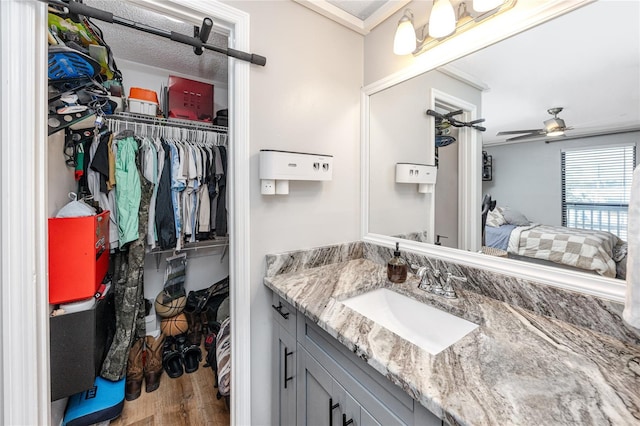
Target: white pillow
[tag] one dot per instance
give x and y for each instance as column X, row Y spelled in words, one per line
column 495, row 218
column 514, row 217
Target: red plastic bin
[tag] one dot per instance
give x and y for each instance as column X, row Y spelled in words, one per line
column 78, row 256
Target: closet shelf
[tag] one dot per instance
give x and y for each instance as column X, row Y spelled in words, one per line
column 198, row 245
column 171, row 122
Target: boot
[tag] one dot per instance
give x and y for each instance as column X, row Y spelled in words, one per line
column 194, row 333
column 153, row 364
column 135, row 367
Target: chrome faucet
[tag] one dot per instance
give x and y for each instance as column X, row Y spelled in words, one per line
column 449, row 292
column 435, row 285
column 432, row 286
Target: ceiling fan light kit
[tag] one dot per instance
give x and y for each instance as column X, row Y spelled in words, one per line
column 553, row 127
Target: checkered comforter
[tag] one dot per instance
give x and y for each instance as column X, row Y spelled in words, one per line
column 580, row 248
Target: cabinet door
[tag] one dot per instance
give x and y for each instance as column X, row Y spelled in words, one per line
column 285, row 354
column 350, row 409
column 317, row 404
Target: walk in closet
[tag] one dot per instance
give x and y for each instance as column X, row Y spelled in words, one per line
column 189, row 246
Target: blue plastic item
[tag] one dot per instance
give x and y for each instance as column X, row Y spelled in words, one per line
column 444, row 141
column 104, row 401
column 66, row 63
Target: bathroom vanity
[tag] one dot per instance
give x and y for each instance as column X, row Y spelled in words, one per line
column 334, row 365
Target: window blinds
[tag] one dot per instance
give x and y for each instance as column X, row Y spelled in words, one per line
column 596, row 184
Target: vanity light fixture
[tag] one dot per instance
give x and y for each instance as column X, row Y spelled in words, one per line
column 405, row 41
column 486, row 5
column 443, row 23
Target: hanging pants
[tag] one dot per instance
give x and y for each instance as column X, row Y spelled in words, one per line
column 129, row 296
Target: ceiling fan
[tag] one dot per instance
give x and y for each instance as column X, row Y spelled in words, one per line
column 552, row 127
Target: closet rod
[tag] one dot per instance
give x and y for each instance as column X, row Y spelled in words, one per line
column 171, row 122
column 102, row 15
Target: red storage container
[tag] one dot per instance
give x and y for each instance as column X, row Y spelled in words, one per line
column 78, row 256
column 190, row 99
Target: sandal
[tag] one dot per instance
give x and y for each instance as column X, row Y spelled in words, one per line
column 171, row 358
column 192, row 355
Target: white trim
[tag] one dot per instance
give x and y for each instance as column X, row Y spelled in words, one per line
column 464, row 77
column 240, row 294
column 509, row 23
column 468, row 168
column 24, row 362
column 364, row 162
column 24, row 302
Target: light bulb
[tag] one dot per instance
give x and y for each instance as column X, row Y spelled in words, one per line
column 404, row 41
column 442, row 20
column 486, row 5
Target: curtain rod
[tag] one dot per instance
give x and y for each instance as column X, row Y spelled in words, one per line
column 102, row 15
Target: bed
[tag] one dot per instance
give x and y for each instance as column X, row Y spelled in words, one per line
column 599, row 252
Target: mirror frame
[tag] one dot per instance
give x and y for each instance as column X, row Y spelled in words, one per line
column 502, row 27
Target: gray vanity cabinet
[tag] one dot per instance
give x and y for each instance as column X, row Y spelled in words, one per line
column 334, row 387
column 284, row 372
column 317, row 402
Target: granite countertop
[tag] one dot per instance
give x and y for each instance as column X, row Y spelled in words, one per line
column 515, row 368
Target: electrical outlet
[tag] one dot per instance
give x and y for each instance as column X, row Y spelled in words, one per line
column 267, row 186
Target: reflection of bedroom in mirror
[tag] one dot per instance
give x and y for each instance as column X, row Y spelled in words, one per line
column 562, row 183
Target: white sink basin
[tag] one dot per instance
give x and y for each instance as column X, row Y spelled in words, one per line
column 425, row 326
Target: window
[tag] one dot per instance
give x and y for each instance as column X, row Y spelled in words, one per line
column 596, row 185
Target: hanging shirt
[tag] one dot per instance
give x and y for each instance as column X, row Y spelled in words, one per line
column 164, row 212
column 150, row 172
column 178, row 184
column 97, row 178
column 128, row 191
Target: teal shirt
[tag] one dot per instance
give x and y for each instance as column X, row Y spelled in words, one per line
column 128, row 190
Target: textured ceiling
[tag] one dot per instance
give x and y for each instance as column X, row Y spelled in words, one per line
column 157, row 51
column 358, row 8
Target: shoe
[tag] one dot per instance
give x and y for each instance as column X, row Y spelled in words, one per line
column 135, row 367
column 153, row 362
column 211, row 327
column 194, row 333
column 171, row 358
column 191, row 355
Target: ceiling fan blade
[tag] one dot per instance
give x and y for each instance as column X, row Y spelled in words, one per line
column 525, row 137
column 517, row 132
column 479, row 120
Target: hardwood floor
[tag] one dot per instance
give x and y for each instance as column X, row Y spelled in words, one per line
column 188, row 400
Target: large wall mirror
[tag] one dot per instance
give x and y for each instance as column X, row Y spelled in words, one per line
column 586, row 62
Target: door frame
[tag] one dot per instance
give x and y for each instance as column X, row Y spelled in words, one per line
column 24, row 307
column 469, row 155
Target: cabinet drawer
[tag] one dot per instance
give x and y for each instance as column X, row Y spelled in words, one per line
column 284, row 314
column 378, row 396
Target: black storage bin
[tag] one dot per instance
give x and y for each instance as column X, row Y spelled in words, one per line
column 78, row 344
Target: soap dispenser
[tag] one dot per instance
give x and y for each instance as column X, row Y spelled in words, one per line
column 397, row 267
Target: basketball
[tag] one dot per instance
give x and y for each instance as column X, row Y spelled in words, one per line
column 174, row 325
column 167, row 307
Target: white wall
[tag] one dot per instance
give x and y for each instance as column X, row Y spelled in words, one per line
column 527, row 176
column 61, row 179
column 306, row 98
